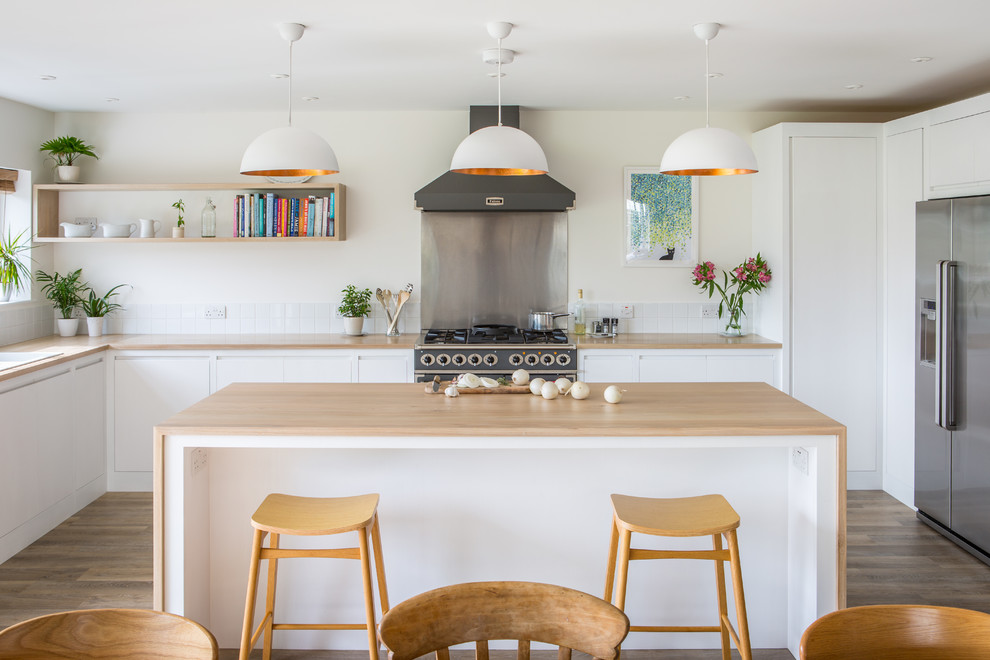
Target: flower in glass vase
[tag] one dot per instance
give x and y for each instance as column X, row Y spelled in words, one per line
column 752, row 275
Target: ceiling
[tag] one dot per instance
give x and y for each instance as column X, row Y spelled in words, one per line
column 218, row 55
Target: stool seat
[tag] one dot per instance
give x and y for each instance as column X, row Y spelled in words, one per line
column 314, row 516
column 703, row 515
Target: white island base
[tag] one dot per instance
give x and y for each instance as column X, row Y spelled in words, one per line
column 460, row 508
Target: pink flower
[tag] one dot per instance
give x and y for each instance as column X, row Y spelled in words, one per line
column 764, row 277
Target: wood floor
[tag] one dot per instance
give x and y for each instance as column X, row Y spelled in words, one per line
column 101, row 557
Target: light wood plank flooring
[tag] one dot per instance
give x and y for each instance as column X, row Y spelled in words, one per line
column 101, row 557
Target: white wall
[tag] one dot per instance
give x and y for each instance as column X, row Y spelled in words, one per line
column 385, row 157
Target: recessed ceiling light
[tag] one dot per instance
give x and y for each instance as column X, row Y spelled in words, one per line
column 853, row 86
column 715, row 74
column 112, row 99
column 279, row 76
column 47, row 77
column 311, row 98
column 681, row 98
column 921, row 60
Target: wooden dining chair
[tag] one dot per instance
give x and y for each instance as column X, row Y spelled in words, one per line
column 108, row 634
column 898, row 632
column 523, row 611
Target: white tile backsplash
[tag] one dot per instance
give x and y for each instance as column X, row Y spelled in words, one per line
column 661, row 317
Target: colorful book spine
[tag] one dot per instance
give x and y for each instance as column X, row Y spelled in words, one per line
column 303, row 216
column 331, row 212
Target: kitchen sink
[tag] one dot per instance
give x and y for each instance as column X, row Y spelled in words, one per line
column 12, row 359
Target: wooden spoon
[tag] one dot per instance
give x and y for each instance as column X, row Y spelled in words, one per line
column 403, row 297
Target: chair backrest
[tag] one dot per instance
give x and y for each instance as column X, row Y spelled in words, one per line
column 898, row 632
column 108, row 634
column 523, row 611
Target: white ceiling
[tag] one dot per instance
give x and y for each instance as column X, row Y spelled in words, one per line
column 218, row 55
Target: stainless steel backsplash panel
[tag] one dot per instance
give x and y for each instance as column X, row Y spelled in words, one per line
column 492, row 267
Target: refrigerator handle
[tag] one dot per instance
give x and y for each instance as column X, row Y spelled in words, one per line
column 945, row 345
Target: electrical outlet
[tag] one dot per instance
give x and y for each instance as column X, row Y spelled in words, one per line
column 625, row 311
column 709, row 312
column 198, row 459
column 215, row 312
column 86, row 221
column 799, row 456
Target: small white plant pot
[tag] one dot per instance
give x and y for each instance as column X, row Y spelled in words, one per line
column 94, row 324
column 68, row 173
column 67, row 327
column 354, row 325
column 178, row 232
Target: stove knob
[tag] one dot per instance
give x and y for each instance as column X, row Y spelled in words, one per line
column 426, row 359
column 547, row 359
column 515, row 359
column 491, row 359
column 443, row 359
column 563, row 359
column 532, row 359
column 459, row 359
column 474, row 359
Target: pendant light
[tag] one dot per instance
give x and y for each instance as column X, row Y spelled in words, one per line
column 499, row 150
column 708, row 151
column 289, row 151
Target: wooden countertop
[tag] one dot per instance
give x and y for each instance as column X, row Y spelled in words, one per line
column 364, row 409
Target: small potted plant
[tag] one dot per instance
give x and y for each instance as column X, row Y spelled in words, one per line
column 179, row 230
column 97, row 307
column 355, row 305
column 64, row 151
column 64, row 292
column 14, row 274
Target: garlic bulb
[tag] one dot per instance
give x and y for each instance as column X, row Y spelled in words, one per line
column 451, row 391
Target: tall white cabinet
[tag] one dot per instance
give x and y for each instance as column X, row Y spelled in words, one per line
column 817, row 204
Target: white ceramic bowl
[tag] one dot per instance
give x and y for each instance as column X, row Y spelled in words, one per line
column 118, row 231
column 77, row 231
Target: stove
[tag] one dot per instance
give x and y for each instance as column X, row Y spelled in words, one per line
column 494, row 351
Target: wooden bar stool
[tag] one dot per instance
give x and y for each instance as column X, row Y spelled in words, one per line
column 706, row 515
column 313, row 516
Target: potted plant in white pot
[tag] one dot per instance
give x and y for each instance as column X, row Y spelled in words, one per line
column 355, row 305
column 14, row 274
column 64, row 292
column 179, row 230
column 64, row 151
column 97, row 307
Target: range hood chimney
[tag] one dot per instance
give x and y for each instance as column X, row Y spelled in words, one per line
column 475, row 192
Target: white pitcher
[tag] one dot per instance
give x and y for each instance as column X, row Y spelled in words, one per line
column 149, row 227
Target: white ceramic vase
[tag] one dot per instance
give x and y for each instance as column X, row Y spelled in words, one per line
column 68, row 173
column 67, row 327
column 354, row 325
column 94, row 324
column 178, row 232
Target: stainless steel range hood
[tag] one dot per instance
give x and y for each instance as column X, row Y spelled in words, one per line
column 472, row 192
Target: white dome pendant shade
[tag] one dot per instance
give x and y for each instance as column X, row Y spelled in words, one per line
column 289, row 151
column 708, row 151
column 499, row 150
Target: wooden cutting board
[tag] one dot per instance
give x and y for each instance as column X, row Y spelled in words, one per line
column 501, row 389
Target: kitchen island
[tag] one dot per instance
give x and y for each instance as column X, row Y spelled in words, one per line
column 503, row 487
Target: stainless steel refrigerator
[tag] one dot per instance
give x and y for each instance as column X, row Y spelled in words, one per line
column 952, row 384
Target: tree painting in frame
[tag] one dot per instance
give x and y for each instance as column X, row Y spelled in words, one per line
column 661, row 216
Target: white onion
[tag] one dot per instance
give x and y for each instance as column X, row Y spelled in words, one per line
column 549, row 390
column 535, row 385
column 468, row 380
column 613, row 394
column 520, row 377
column 579, row 390
column 562, row 384
column 488, row 382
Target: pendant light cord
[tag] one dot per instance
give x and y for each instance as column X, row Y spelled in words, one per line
column 290, row 82
column 708, row 79
column 499, row 76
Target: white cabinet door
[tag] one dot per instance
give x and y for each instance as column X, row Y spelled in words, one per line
column 384, row 367
column 318, row 369
column 54, row 472
column 89, row 413
column 673, row 368
column 148, row 390
column 248, row 369
column 741, row 369
column 952, row 153
column 19, row 458
column 608, row 367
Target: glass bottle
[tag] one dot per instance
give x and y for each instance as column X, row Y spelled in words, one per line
column 209, row 219
column 580, row 326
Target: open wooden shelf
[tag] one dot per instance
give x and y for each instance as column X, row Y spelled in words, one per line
column 47, row 197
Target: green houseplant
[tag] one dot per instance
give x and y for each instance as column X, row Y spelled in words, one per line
column 96, row 307
column 179, row 230
column 64, row 293
column 355, row 305
column 14, row 274
column 64, row 151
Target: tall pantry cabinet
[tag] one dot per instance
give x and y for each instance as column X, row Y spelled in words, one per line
column 817, row 203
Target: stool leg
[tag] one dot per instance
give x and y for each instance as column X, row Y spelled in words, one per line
column 376, row 544
column 625, row 537
column 723, row 607
column 252, row 594
column 369, row 594
column 737, row 589
column 273, row 543
column 613, row 546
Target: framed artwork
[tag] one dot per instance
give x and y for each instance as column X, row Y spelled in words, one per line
column 661, row 216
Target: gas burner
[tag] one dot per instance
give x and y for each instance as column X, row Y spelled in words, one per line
column 544, row 336
column 493, row 333
column 445, row 336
